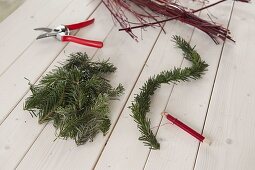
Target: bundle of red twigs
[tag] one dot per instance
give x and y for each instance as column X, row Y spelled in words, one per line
column 147, row 10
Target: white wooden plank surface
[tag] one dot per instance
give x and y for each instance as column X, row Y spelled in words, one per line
column 56, row 155
column 27, row 9
column 34, row 61
column 231, row 119
column 230, row 122
column 188, row 102
column 8, row 6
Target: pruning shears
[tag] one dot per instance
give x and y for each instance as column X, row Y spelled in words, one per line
column 62, row 33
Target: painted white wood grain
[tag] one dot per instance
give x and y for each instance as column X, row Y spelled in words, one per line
column 17, row 134
column 129, row 57
column 231, row 120
column 188, row 102
column 27, row 9
column 19, row 130
column 7, row 7
column 33, row 62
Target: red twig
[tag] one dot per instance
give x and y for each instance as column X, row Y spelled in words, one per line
column 247, row 1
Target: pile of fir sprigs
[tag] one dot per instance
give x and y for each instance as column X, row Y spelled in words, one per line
column 141, row 104
column 75, row 97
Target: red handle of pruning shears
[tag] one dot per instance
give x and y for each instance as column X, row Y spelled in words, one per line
column 90, row 43
column 80, row 24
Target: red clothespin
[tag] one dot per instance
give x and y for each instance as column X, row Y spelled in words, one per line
column 186, row 128
column 62, row 33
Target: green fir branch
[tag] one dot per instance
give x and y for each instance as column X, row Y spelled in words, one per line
column 75, row 97
column 141, row 104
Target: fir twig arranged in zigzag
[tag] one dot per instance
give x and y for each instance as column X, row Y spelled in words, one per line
column 75, row 97
column 141, row 104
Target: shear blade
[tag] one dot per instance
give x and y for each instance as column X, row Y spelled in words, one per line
column 46, row 35
column 43, row 29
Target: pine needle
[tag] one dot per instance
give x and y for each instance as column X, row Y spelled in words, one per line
column 75, row 97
